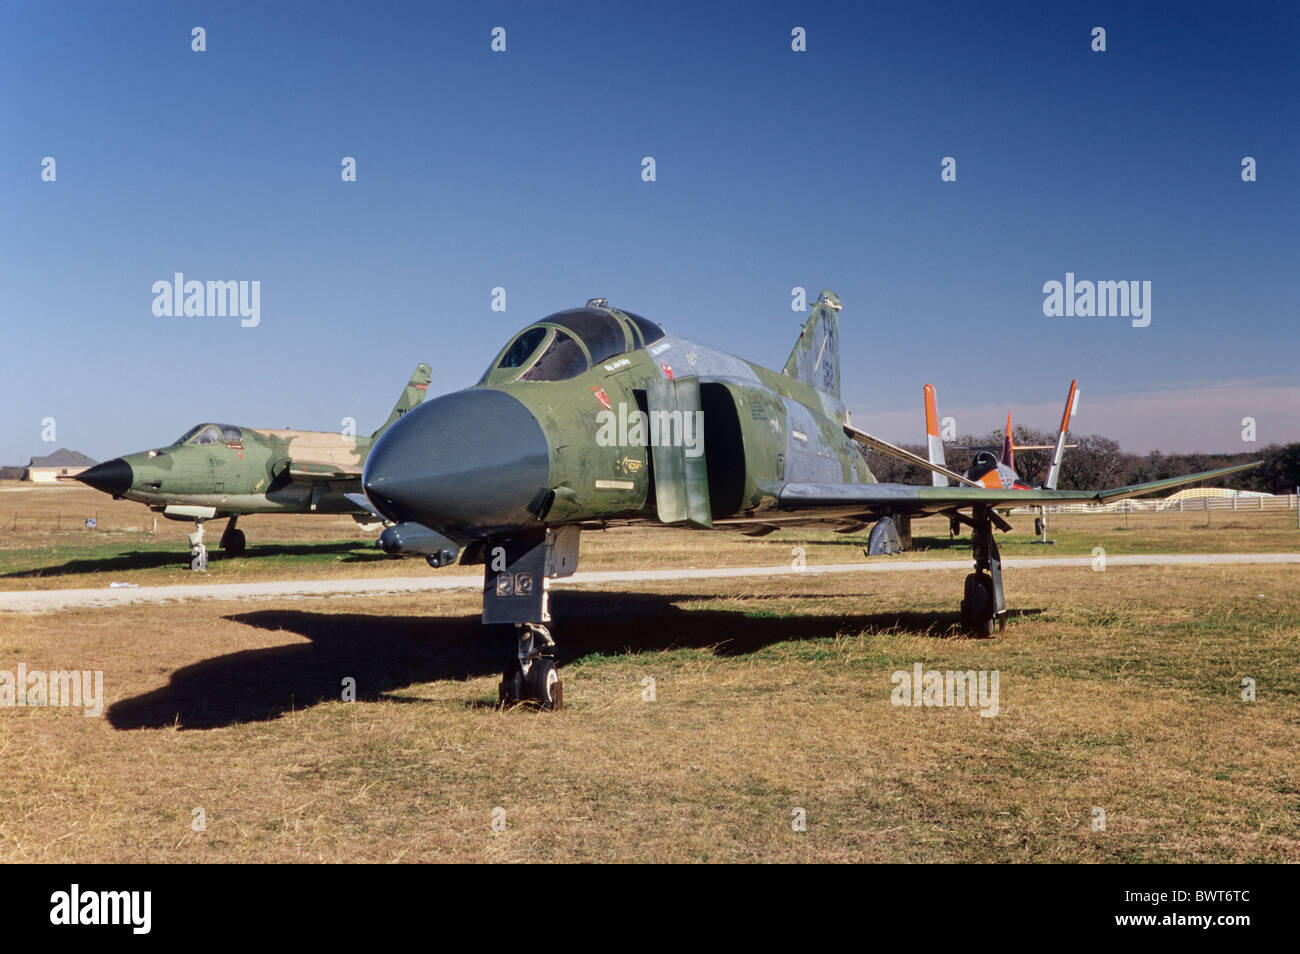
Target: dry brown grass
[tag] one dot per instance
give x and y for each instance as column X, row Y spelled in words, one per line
column 1119, row 690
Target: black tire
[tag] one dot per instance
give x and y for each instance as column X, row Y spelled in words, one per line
column 234, row 543
column 542, row 679
column 977, row 614
column 511, row 690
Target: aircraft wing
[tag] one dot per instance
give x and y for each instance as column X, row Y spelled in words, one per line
column 880, row 499
column 363, row 503
column 308, row 472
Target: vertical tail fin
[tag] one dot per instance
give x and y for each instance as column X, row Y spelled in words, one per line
column 411, row 396
column 932, row 437
column 1009, row 445
column 816, row 355
column 1058, row 451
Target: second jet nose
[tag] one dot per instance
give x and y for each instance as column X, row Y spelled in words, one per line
column 112, row 477
column 469, row 463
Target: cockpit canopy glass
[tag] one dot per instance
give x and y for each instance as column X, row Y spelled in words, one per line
column 567, row 343
column 522, row 348
column 600, row 331
column 562, row 359
column 201, row 434
column 649, row 331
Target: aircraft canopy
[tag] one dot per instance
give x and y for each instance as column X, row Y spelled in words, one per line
column 212, row 434
column 567, row 343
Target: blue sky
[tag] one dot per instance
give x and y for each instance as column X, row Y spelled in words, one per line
column 774, row 169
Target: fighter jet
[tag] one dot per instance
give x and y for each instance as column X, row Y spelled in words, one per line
column 987, row 470
column 214, row 471
column 595, row 416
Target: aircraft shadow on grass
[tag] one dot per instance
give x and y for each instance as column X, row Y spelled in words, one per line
column 157, row 559
column 389, row 653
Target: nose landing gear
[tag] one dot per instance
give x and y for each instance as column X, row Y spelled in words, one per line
column 532, row 677
column 517, row 572
column 198, row 550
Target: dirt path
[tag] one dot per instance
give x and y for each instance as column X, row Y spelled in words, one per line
column 45, row 601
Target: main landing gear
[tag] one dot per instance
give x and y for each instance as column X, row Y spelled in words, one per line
column 1040, row 527
column 532, row 678
column 983, row 606
column 233, row 541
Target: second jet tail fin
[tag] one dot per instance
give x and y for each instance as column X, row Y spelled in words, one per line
column 933, row 440
column 1009, row 445
column 411, row 396
column 1058, row 450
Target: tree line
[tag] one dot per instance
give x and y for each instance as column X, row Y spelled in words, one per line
column 1098, row 462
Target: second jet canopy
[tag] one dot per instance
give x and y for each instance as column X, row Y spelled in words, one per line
column 211, row 434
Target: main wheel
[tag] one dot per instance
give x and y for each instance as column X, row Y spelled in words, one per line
column 233, row 543
column 977, row 615
column 541, row 682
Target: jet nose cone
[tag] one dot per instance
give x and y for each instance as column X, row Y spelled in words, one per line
column 112, row 477
column 467, row 463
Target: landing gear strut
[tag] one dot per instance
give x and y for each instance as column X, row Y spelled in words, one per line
column 983, row 607
column 516, row 583
column 233, row 541
column 532, row 676
column 198, row 552
column 1040, row 527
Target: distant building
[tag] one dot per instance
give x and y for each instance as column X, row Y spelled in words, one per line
column 62, row 464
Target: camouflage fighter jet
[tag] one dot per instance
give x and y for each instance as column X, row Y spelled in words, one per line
column 214, row 471
column 594, row 416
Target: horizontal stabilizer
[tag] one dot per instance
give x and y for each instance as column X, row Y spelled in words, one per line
column 893, row 450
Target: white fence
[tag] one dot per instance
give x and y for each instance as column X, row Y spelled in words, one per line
column 1263, row 503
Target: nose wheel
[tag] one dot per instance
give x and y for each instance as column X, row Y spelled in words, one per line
column 198, row 550
column 532, row 677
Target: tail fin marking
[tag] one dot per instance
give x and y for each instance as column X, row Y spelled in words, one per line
column 932, row 437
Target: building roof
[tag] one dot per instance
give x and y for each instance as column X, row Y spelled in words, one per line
column 62, row 458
